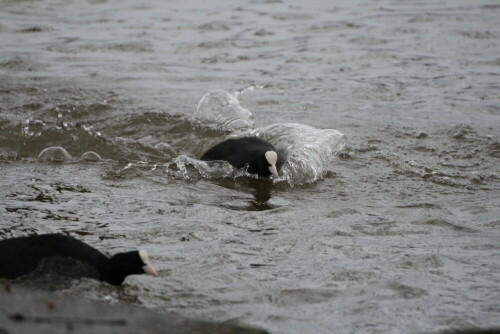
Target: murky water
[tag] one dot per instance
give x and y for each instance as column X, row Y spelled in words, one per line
column 396, row 232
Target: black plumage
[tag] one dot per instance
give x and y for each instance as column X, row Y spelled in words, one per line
column 21, row 256
column 240, row 152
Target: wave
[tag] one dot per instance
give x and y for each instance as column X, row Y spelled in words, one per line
column 175, row 141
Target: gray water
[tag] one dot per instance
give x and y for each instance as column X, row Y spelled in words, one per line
column 385, row 219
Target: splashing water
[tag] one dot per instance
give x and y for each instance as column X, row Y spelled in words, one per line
column 223, row 111
column 308, row 151
column 207, row 169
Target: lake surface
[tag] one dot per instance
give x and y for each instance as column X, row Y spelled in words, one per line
column 386, row 216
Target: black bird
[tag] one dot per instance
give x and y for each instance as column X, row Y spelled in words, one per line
column 258, row 154
column 21, row 256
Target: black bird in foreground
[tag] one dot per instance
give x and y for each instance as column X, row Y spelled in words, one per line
column 258, row 154
column 21, row 256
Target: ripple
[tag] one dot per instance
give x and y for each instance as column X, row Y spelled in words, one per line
column 54, row 154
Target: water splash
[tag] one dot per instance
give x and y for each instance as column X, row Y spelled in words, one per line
column 308, row 151
column 222, row 110
column 32, row 127
column 54, row 154
column 207, row 169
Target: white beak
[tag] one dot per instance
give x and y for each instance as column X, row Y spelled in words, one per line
column 273, row 170
column 148, row 269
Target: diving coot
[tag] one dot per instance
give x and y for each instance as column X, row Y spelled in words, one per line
column 260, row 155
column 21, row 256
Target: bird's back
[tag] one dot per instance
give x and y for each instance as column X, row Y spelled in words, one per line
column 238, row 152
column 20, row 256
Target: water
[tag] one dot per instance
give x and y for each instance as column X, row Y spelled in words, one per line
column 397, row 231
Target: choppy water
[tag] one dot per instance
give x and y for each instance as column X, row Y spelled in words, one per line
column 397, row 232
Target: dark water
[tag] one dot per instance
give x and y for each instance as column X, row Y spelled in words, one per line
column 397, row 232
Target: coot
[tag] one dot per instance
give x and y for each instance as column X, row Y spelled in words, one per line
column 21, row 256
column 258, row 154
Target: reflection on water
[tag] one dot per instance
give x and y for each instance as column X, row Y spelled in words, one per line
column 390, row 228
column 260, row 188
